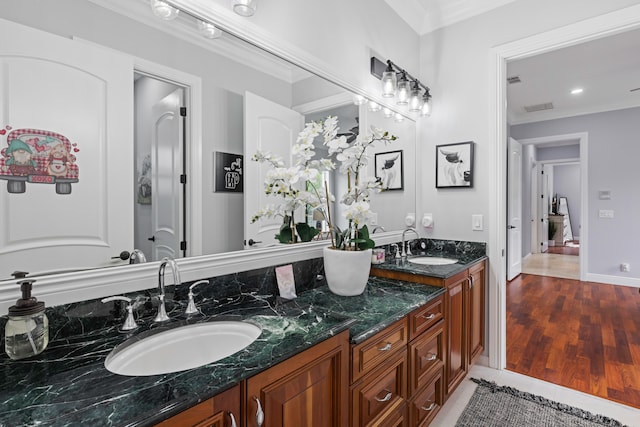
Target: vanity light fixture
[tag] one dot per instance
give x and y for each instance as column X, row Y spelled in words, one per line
column 396, row 82
column 244, row 8
column 374, row 106
column 389, row 81
column 209, row 30
column 415, row 102
column 426, row 104
column 163, row 10
column 388, row 113
column 399, row 118
column 359, row 100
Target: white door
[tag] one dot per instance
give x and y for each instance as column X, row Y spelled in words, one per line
column 267, row 127
column 514, row 214
column 166, row 155
column 67, row 111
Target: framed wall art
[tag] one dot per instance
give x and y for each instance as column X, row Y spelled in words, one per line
column 228, row 173
column 454, row 165
column 389, row 170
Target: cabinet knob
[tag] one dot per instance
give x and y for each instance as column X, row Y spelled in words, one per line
column 386, row 347
column 386, row 398
column 259, row 413
column 430, row 357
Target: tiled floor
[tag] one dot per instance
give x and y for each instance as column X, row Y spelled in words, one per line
column 449, row 414
column 554, row 265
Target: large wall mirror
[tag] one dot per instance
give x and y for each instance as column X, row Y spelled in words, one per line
column 131, row 155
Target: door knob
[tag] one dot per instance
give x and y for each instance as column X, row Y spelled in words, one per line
column 253, row 242
column 124, row 255
column 152, row 238
column 511, row 227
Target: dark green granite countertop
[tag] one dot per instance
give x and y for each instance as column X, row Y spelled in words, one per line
column 465, row 260
column 68, row 385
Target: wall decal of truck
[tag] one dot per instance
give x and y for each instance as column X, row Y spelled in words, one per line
column 38, row 157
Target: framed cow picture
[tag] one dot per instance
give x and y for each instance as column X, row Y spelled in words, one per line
column 389, row 170
column 454, row 165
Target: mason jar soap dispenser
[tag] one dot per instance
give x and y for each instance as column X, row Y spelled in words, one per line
column 27, row 330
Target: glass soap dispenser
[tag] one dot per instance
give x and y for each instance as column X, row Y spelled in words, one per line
column 27, row 330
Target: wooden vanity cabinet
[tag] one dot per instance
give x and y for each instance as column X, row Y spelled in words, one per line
column 219, row 411
column 476, row 310
column 308, row 389
column 455, row 302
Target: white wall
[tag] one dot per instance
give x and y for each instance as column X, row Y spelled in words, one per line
column 455, row 63
column 612, row 165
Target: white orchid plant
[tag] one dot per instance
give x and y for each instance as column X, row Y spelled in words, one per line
column 296, row 187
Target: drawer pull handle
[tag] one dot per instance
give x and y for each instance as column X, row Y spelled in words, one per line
column 386, row 347
column 431, row 357
column 386, row 398
column 430, row 407
column 233, row 420
column 429, row 317
column 259, row 413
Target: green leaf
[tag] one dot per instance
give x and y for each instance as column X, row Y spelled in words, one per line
column 285, row 235
column 305, row 232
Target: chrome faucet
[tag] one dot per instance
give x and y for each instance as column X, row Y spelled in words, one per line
column 407, row 252
column 137, row 257
column 162, row 312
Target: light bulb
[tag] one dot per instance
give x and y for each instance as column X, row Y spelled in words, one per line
column 359, row 99
column 163, row 11
column 426, row 105
column 387, row 112
column 244, row 7
column 209, row 30
column 374, row 106
column 415, row 103
column 389, row 82
column 398, row 118
column 403, row 90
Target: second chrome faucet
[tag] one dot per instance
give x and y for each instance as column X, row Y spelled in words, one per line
column 162, row 312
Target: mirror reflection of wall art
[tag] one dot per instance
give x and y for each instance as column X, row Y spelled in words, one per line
column 227, row 174
column 389, row 170
column 144, row 181
column 454, row 165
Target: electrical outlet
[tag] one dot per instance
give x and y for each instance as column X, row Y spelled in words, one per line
column 625, row 267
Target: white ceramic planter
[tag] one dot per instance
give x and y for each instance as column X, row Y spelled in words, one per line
column 347, row 272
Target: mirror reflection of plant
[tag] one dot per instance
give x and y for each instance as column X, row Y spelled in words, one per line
column 296, row 186
column 353, row 160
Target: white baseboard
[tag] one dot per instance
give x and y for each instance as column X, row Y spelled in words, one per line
column 613, row 280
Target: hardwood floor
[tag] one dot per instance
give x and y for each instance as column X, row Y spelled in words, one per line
column 570, row 248
column 581, row 335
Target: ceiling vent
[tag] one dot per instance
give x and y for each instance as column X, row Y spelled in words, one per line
column 513, row 79
column 538, row 107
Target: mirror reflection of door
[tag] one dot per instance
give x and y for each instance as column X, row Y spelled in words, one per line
column 159, row 164
column 82, row 92
column 268, row 127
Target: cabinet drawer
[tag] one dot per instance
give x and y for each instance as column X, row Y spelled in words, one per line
column 375, row 350
column 427, row 402
column 381, row 392
column 426, row 316
column 426, row 356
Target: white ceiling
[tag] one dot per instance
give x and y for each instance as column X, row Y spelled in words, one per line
column 427, row 15
column 608, row 69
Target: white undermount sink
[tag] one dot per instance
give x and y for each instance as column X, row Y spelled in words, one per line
column 181, row 348
column 432, row 260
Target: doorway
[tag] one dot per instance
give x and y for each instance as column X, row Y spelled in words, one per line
column 160, row 167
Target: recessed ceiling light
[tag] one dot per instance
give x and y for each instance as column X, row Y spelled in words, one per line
column 576, row 91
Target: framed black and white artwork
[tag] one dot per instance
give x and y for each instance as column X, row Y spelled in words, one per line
column 389, row 170
column 454, row 165
column 228, row 173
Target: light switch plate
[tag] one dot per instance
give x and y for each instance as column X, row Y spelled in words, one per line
column 477, row 222
column 605, row 213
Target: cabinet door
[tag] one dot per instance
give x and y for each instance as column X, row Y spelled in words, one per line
column 426, row 356
column 456, row 363
column 309, row 389
column 222, row 410
column 476, row 298
column 427, row 402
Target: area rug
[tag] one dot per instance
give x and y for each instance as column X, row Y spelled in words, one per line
column 499, row 406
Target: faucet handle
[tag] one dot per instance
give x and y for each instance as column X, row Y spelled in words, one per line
column 191, row 306
column 397, row 250
column 130, row 322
